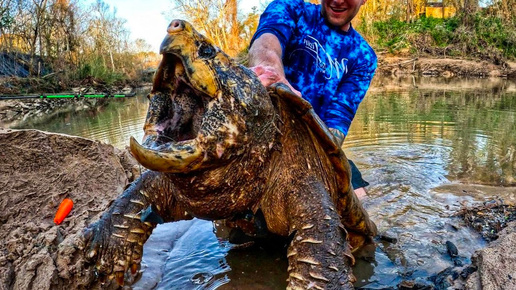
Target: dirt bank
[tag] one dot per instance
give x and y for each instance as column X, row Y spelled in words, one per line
column 37, row 171
column 446, row 67
column 14, row 113
column 496, row 264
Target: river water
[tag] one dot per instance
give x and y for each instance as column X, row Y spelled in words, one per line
column 426, row 145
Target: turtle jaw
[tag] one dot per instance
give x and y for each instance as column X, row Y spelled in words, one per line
column 173, row 137
column 173, row 157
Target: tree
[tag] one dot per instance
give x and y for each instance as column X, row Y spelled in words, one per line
column 6, row 23
column 221, row 22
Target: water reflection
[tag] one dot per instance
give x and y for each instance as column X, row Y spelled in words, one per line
column 476, row 125
column 426, row 145
column 184, row 255
column 423, row 146
column 111, row 123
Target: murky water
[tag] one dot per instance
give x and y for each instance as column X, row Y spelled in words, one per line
column 426, row 146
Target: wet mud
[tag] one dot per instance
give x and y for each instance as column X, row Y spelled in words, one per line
column 37, row 171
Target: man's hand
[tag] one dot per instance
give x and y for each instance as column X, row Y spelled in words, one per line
column 339, row 136
column 266, row 62
column 268, row 75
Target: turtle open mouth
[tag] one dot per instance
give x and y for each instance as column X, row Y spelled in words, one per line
column 178, row 115
column 173, row 121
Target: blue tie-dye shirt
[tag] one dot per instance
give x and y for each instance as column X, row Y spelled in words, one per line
column 331, row 68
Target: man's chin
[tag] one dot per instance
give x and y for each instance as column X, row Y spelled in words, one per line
column 343, row 24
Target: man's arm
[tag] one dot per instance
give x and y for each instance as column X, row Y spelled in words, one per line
column 265, row 59
column 266, row 52
column 339, row 136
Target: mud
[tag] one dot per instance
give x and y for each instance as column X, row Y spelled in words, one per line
column 37, row 171
column 496, row 264
column 445, row 67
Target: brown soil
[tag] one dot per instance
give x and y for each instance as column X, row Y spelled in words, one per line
column 53, row 84
column 37, row 171
column 446, row 67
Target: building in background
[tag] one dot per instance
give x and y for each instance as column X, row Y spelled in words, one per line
column 437, row 9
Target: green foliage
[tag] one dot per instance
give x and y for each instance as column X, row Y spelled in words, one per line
column 97, row 69
column 487, row 37
column 494, row 34
column 391, row 34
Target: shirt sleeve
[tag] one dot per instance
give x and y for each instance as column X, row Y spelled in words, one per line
column 279, row 18
column 352, row 90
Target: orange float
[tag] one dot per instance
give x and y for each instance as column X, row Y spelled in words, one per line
column 64, row 209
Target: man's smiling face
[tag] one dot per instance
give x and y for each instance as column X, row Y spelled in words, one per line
column 339, row 13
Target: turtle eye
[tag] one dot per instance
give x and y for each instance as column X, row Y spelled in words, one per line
column 207, row 51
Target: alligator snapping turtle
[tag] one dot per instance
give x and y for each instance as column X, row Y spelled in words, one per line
column 219, row 145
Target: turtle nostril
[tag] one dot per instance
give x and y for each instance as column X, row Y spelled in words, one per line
column 175, row 26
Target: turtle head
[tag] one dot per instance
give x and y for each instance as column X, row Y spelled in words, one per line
column 204, row 109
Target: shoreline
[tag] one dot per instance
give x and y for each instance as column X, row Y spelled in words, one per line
column 444, row 67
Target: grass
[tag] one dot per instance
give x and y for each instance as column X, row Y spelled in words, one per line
column 97, row 69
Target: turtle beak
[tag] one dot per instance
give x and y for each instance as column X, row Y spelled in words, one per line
column 171, row 157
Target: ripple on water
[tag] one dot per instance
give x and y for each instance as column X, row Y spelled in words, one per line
column 184, row 255
column 403, row 173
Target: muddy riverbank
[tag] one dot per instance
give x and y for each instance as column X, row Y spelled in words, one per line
column 37, row 171
column 447, row 67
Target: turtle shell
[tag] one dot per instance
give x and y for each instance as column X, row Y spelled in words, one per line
column 353, row 215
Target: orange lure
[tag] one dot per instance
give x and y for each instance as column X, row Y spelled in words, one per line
column 64, row 209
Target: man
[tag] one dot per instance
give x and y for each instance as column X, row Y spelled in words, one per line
column 316, row 52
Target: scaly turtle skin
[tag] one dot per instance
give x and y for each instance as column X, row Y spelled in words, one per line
column 218, row 146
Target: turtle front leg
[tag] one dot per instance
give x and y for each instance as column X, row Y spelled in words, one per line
column 115, row 242
column 319, row 255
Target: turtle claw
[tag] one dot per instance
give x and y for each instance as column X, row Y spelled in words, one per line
column 88, row 246
column 91, row 254
column 134, row 269
column 113, row 247
column 102, row 278
column 119, row 276
column 84, row 239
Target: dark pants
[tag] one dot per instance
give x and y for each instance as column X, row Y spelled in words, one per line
column 356, row 177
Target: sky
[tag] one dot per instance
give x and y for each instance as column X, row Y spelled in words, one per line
column 146, row 18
